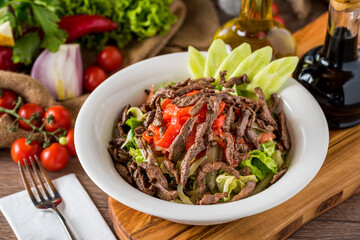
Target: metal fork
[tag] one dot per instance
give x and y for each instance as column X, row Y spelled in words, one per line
column 47, row 201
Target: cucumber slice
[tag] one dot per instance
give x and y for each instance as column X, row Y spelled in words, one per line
column 274, row 75
column 233, row 60
column 196, row 63
column 253, row 64
column 216, row 55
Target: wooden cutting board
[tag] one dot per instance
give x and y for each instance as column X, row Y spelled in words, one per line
column 337, row 180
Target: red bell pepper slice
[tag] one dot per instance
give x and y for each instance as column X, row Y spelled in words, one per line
column 191, row 139
column 221, row 107
column 219, row 122
column 164, row 103
column 170, row 133
column 192, row 93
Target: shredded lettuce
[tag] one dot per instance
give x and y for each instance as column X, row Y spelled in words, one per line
column 261, row 162
column 136, row 19
column 229, row 184
column 137, row 155
column 133, row 123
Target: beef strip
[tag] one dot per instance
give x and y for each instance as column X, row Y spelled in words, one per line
column 187, row 89
column 155, row 173
column 170, row 167
column 165, row 193
column 158, row 120
column 124, row 115
column 150, row 133
column 194, row 150
column 124, row 172
column 212, row 167
column 178, row 144
column 212, row 198
column 213, row 111
column 162, row 131
column 236, row 80
column 284, row 134
column 120, row 131
column 131, row 166
column 117, row 142
column 230, row 149
column 252, row 118
column 139, row 130
column 251, row 136
column 149, row 118
column 144, row 108
column 197, row 107
column 274, row 102
column 222, row 77
column 241, row 151
column 119, row 155
column 262, row 125
column 186, row 101
column 138, row 177
column 242, row 123
column 161, row 93
column 181, row 84
column 229, row 119
column 277, row 176
column 241, row 156
column 245, row 171
column 245, row 192
column 265, row 112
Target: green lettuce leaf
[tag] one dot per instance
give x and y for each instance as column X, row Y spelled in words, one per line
column 137, row 155
column 133, row 123
column 261, row 162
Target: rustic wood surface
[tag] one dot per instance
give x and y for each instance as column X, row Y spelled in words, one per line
column 341, row 222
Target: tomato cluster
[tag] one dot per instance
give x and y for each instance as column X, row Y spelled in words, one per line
column 55, row 120
column 109, row 60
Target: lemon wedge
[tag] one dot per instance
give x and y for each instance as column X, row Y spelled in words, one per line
column 6, row 36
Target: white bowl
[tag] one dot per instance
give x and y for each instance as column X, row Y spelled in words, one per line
column 94, row 126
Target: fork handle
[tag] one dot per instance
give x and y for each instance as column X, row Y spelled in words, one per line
column 70, row 234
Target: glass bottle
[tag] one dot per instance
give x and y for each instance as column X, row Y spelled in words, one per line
column 256, row 27
column 332, row 72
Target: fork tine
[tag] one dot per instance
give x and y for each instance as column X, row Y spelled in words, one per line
column 43, row 172
column 39, row 178
column 26, row 183
column 33, row 181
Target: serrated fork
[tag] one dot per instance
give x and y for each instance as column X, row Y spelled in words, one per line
column 45, row 201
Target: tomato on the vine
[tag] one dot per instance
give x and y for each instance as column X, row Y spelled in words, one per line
column 28, row 110
column 20, row 150
column 54, row 157
column 7, row 99
column 68, row 142
column 93, row 77
column 57, row 117
column 110, row 59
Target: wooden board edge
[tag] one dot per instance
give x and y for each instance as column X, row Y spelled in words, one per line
column 119, row 230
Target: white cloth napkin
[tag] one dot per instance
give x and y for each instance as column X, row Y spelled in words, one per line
column 78, row 209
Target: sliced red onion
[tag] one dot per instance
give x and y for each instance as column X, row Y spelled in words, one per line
column 60, row 72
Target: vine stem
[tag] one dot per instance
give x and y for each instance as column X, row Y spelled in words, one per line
column 13, row 112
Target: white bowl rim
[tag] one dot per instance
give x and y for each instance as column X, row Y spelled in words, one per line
column 199, row 214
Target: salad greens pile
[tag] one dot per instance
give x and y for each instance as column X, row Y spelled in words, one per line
column 136, row 19
column 35, row 24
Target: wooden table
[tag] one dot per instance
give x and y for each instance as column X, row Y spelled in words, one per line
column 340, row 222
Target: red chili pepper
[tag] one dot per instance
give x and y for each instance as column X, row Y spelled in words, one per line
column 5, row 60
column 79, row 25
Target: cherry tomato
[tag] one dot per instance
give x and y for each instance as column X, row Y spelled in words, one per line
column 110, row 59
column 20, row 150
column 93, row 77
column 69, row 142
column 61, row 118
column 275, row 9
column 279, row 19
column 6, row 62
column 26, row 111
column 54, row 157
column 7, row 99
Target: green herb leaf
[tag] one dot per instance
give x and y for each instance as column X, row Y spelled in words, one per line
column 26, row 48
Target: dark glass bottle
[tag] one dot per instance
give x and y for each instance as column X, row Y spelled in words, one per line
column 332, row 72
column 256, row 26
